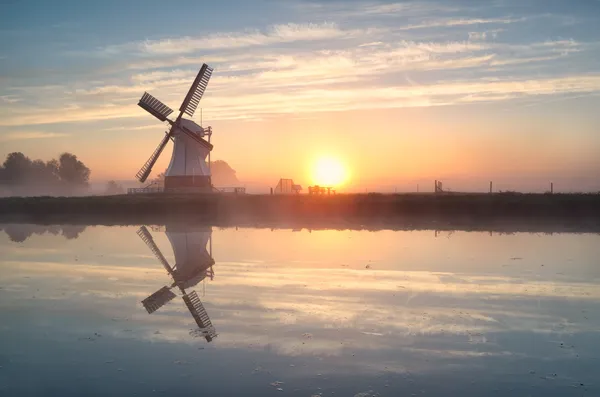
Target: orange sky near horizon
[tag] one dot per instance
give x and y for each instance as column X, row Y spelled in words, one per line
column 382, row 147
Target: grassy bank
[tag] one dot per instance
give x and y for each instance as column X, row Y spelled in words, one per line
column 403, row 211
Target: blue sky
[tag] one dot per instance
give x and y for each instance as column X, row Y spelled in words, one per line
column 460, row 90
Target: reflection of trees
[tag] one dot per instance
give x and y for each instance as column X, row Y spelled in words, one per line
column 21, row 232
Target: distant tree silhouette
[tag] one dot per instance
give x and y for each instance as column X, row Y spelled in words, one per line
column 223, row 174
column 159, row 179
column 17, row 168
column 113, row 187
column 20, row 174
column 73, row 171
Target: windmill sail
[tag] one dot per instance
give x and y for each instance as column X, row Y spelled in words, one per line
column 158, row 299
column 190, row 103
column 147, row 238
column 144, row 172
column 194, row 305
column 154, row 107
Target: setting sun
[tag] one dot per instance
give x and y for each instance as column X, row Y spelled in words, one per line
column 329, row 172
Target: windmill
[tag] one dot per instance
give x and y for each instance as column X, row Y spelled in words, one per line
column 188, row 169
column 193, row 263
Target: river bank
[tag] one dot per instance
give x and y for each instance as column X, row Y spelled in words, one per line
column 493, row 212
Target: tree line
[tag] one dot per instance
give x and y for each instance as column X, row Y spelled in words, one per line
column 65, row 175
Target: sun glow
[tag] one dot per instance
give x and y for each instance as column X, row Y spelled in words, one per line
column 329, row 172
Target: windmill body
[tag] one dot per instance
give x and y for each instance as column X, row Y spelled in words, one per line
column 188, row 167
column 188, row 170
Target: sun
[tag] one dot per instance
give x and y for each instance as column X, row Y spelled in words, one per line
column 328, row 172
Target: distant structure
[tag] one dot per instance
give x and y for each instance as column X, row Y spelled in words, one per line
column 438, row 187
column 320, row 190
column 287, row 186
column 193, row 263
column 188, row 170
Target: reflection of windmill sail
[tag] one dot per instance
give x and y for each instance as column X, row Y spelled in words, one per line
column 194, row 305
column 193, row 264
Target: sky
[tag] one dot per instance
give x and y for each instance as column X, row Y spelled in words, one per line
column 399, row 92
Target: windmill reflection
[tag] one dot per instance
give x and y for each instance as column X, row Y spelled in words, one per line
column 193, row 263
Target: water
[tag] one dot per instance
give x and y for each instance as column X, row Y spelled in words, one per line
column 299, row 313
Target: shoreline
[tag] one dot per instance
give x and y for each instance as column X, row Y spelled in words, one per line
column 500, row 212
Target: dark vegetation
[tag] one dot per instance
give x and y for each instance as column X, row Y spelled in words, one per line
column 67, row 176
column 113, row 187
column 19, row 175
column 519, row 212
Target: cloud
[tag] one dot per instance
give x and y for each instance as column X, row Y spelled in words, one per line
column 285, row 33
column 303, row 68
column 477, row 35
column 447, row 23
column 53, row 115
column 17, row 136
column 332, row 83
column 10, row 99
column 137, row 128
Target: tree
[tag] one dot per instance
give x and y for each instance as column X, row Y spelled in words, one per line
column 53, row 167
column 73, row 171
column 223, row 174
column 20, row 175
column 159, row 179
column 17, row 168
column 113, row 187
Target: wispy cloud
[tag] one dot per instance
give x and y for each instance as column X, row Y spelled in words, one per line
column 136, row 128
column 450, row 22
column 285, row 33
column 9, row 99
column 22, row 135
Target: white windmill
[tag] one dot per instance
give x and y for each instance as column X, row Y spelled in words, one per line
column 188, row 169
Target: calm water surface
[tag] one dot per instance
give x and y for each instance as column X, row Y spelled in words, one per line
column 300, row 313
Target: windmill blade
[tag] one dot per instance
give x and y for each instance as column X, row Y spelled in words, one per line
column 154, row 107
column 194, row 305
column 146, row 169
column 190, row 103
column 147, row 238
column 158, row 299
